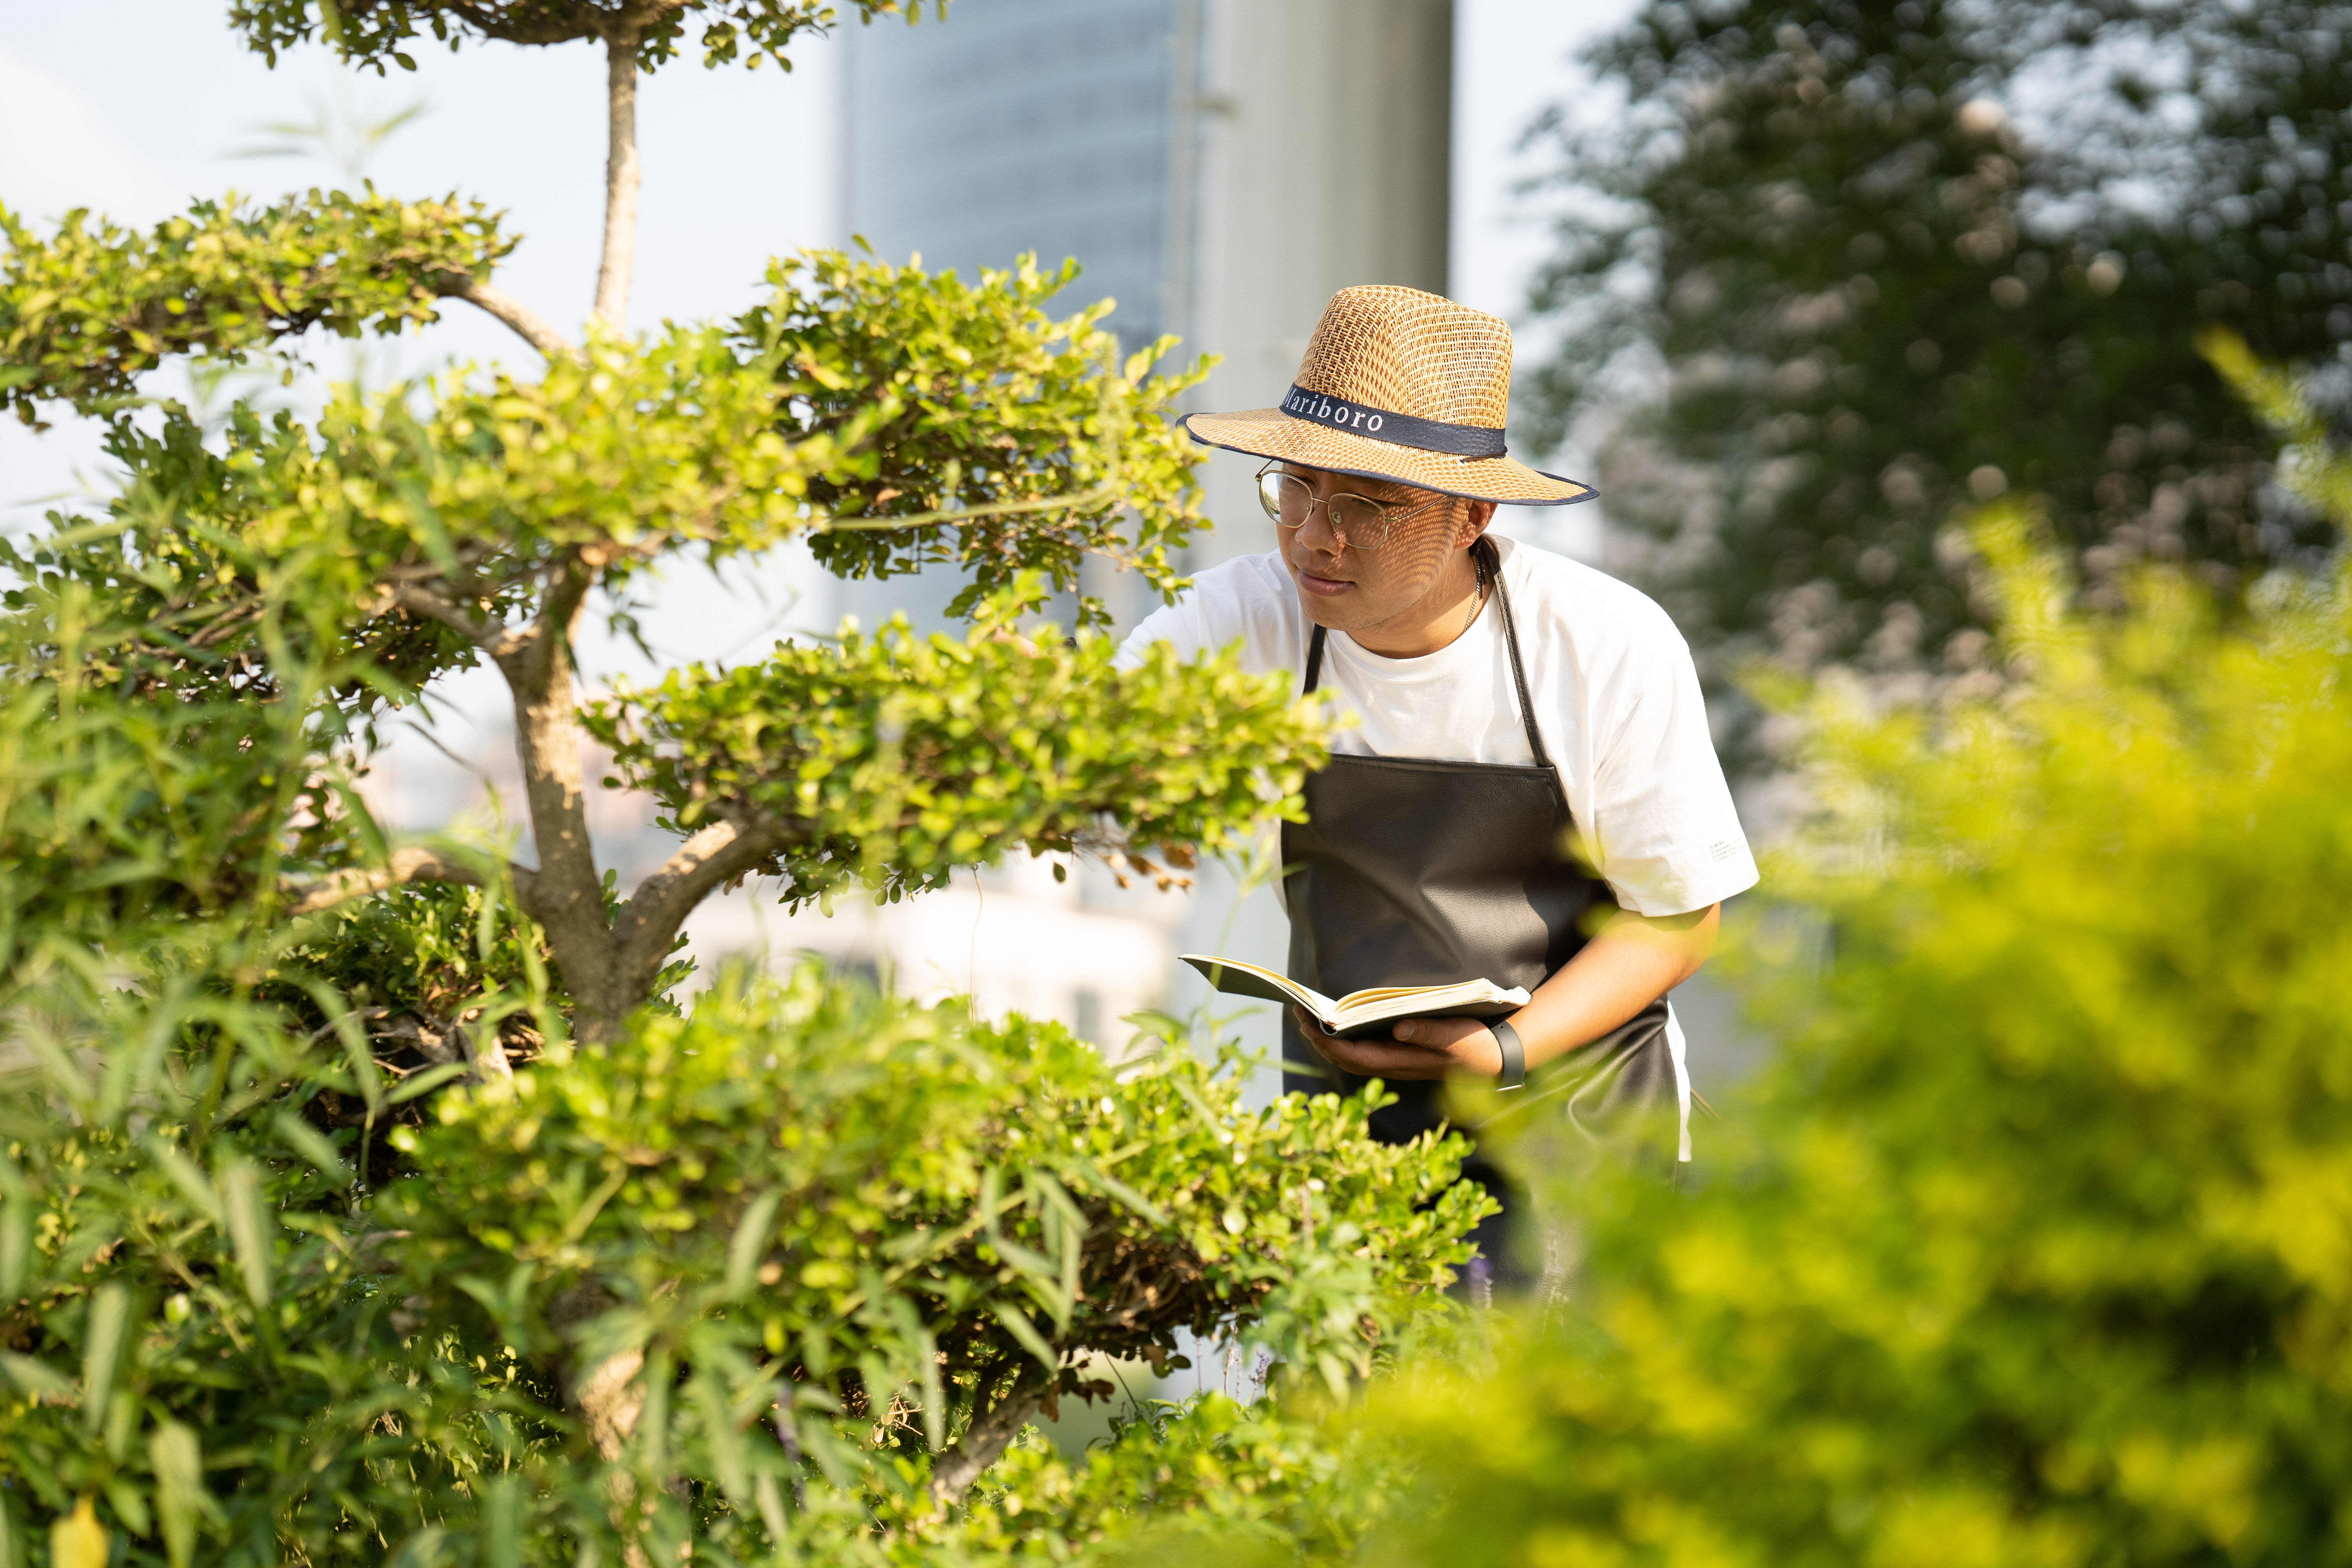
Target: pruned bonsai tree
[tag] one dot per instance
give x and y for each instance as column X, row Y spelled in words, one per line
column 294, row 1261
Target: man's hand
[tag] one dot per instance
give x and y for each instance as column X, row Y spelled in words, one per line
column 1631, row 963
column 1418, row 1048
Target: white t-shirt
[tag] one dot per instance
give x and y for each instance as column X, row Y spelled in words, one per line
column 1616, row 700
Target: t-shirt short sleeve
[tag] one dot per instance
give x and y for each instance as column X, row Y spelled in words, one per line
column 1660, row 823
column 1246, row 600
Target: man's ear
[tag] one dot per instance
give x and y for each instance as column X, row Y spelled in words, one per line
column 1476, row 517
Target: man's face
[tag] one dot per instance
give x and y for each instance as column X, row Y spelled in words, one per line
column 1354, row 590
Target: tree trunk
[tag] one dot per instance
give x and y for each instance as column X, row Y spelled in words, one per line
column 567, row 897
column 569, row 901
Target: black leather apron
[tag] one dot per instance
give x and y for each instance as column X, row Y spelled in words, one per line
column 1410, row 872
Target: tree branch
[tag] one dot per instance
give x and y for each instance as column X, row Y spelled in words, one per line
column 412, row 863
column 984, row 1442
column 484, row 635
column 526, row 322
column 710, row 858
column 621, row 172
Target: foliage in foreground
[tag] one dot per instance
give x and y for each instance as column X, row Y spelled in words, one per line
column 787, row 1270
column 901, row 757
column 2035, row 1247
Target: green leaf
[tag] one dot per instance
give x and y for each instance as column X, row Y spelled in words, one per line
column 127, row 1498
column 311, row 1143
column 506, row 1514
column 1017, row 1323
column 37, row 1379
column 751, row 1240
column 1066, row 1232
column 16, row 1245
column 352, row 1038
column 426, row 1082
column 188, row 1178
column 87, row 309
column 181, row 1500
column 650, row 1440
column 730, row 1456
column 421, row 1547
column 931, row 1390
column 1137, row 1204
column 251, row 1227
column 102, row 1346
column 508, row 1302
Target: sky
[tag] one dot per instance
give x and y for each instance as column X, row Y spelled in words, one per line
column 133, row 107
column 1513, row 59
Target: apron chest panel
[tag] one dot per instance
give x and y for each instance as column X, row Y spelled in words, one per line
column 1417, row 871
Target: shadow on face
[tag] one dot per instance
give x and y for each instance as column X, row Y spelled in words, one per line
column 1418, row 572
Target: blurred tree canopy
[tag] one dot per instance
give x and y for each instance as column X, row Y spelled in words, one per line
column 2035, row 1246
column 1857, row 265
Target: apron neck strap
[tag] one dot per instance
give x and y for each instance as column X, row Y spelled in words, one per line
column 1488, row 562
column 1484, row 550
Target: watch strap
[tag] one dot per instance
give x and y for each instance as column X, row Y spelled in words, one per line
column 1514, row 1056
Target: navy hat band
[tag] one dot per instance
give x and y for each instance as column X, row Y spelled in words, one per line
column 1383, row 425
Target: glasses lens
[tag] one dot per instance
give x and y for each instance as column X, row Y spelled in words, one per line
column 1360, row 522
column 1364, row 523
column 1270, row 494
column 1286, row 497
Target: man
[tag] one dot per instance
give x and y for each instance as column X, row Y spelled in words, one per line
column 1530, row 794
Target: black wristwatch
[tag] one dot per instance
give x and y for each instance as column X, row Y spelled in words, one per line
column 1514, row 1056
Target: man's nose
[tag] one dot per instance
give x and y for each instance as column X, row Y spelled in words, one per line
column 1319, row 525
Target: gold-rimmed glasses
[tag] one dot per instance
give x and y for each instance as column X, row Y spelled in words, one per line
column 1361, row 522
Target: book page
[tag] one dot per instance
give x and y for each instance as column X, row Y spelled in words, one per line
column 1468, row 998
column 1372, row 993
column 1234, row 978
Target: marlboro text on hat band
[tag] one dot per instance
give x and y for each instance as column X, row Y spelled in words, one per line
column 1402, row 429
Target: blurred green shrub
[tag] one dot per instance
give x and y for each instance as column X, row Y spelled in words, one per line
column 2035, row 1246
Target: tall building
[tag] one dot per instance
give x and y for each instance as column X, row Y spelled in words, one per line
column 1026, row 125
column 1221, row 168
column 1218, row 167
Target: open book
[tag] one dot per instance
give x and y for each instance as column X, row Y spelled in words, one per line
column 1361, row 1013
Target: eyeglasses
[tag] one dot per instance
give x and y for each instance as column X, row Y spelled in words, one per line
column 1361, row 522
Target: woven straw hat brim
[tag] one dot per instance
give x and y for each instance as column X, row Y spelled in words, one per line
column 1271, row 433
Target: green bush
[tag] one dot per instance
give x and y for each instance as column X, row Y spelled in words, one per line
column 2035, row 1244
column 1205, row 1474
column 799, row 1239
column 369, row 1200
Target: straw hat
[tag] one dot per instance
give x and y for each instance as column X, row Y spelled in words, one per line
column 1403, row 385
